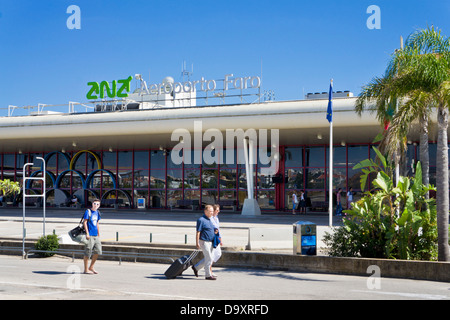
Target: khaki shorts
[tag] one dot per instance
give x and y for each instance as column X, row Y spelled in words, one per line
column 93, row 246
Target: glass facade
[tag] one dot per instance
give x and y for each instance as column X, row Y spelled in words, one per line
column 120, row 178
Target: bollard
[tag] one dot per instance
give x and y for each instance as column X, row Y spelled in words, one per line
column 117, row 236
column 185, row 239
column 151, row 237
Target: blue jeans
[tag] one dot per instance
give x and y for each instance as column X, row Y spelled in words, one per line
column 339, row 209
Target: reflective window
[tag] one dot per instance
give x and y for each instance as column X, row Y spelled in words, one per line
column 21, row 159
column 242, row 176
column 209, row 196
column 141, row 160
column 97, row 180
column 174, row 178
column 107, row 181
column 8, row 161
column 339, row 156
column 314, row 157
column 265, row 182
column 227, row 179
column 157, row 198
column 157, row 159
column 125, row 161
column 51, row 163
column 195, row 159
column 294, row 178
column 228, row 158
column 339, row 178
column 294, row 157
column 192, row 179
column 228, row 195
column 357, row 154
column 173, row 196
column 109, row 160
column 157, row 179
column 192, row 194
column 266, row 199
column 209, row 179
column 140, row 178
column 171, row 164
column 315, row 178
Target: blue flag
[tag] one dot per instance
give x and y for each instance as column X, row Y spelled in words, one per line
column 330, row 104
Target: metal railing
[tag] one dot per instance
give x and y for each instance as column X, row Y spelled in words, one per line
column 73, row 252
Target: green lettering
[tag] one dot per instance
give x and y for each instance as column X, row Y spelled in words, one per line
column 95, row 88
column 110, row 92
column 125, row 87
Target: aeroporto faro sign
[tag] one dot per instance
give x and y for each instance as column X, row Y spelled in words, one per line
column 121, row 88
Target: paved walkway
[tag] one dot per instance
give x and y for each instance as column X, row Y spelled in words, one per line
column 58, row 278
column 156, row 227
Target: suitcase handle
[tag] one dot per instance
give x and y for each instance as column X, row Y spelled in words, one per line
column 192, row 256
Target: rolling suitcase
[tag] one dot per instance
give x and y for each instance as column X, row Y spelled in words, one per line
column 180, row 265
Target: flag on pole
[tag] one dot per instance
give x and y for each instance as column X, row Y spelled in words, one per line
column 330, row 104
column 330, row 174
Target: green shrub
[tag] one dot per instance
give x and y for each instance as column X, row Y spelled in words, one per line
column 388, row 222
column 48, row 243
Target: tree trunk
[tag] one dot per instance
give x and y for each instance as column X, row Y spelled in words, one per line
column 423, row 150
column 442, row 197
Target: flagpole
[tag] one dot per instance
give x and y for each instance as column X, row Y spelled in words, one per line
column 330, row 197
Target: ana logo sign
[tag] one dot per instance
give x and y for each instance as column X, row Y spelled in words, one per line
column 229, row 83
column 111, row 92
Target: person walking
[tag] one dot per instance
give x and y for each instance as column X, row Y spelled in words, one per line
column 93, row 245
column 338, row 202
column 302, row 202
column 204, row 240
column 349, row 198
column 294, row 202
column 217, row 243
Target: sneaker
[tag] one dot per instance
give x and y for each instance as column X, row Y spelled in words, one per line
column 210, row 278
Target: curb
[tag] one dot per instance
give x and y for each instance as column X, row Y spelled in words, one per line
column 417, row 270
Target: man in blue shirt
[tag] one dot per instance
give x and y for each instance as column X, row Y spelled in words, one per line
column 204, row 238
column 216, row 252
column 93, row 246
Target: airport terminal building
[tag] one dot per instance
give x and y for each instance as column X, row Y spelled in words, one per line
column 125, row 148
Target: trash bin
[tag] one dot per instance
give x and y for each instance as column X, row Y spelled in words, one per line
column 141, row 203
column 305, row 238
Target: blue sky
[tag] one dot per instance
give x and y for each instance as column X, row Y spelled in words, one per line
column 299, row 44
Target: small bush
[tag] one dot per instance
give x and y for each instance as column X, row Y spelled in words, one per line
column 48, row 243
column 390, row 222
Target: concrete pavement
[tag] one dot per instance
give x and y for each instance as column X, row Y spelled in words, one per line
column 59, row 278
column 158, row 227
column 173, row 234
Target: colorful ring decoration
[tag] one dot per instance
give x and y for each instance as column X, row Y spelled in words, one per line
column 85, row 182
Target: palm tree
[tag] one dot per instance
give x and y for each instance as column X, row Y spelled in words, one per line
column 417, row 75
column 376, row 98
column 423, row 68
column 418, row 106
